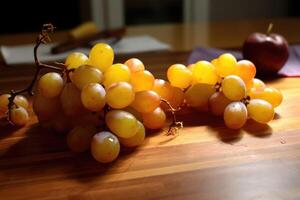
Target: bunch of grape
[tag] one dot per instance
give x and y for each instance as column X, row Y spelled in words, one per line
column 227, row 88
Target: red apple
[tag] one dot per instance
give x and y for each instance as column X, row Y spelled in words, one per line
column 269, row 52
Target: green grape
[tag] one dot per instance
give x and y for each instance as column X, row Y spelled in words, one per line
column 134, row 65
column 80, row 137
column 70, row 100
column 50, row 85
column 179, row 76
column 120, row 95
column 19, row 116
column 226, row 65
column 19, row 100
column 93, row 97
column 84, row 75
column 142, row 80
column 234, row 88
column 121, row 123
column 260, row 110
column 205, row 72
column 198, row 95
column 217, row 103
column 101, row 56
column 116, row 73
column 146, row 101
column 45, row 108
column 235, row 115
column 105, row 147
column 75, row 60
column 135, row 140
column 155, row 119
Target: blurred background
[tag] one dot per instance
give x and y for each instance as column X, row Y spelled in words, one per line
column 118, row 13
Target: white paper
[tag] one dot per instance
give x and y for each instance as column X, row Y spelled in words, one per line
column 23, row 54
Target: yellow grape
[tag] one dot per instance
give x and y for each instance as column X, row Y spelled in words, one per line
column 142, row 80
column 271, row 95
column 134, row 112
column 75, row 60
column 19, row 116
column 19, row 101
column 50, row 85
column 146, row 101
column 214, row 62
column 162, row 88
column 70, row 100
column 105, row 147
column 225, row 65
column 191, row 67
column 116, row 73
column 135, row 140
column 217, row 103
column 198, row 95
column 155, row 119
column 233, row 87
column 179, row 76
column 120, row 95
column 134, row 65
column 121, row 123
column 84, row 75
column 45, row 108
column 101, row 56
column 80, row 137
column 235, row 115
column 205, row 72
column 93, row 97
column 177, row 97
column 258, row 84
column 260, row 110
column 246, row 70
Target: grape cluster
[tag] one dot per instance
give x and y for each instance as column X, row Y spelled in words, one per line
column 103, row 105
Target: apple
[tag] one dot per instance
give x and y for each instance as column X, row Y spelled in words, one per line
column 269, row 52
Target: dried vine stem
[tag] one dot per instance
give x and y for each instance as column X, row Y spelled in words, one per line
column 43, row 38
column 175, row 125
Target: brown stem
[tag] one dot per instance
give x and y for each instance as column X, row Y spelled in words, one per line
column 43, row 38
column 173, row 127
column 269, row 30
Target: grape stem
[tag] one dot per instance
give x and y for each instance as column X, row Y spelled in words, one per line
column 43, row 38
column 175, row 125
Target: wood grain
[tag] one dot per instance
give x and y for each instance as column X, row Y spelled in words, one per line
column 205, row 161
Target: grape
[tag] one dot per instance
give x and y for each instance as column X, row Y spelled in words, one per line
column 217, row 103
column 142, row 80
column 134, row 112
column 80, row 137
column 146, row 101
column 191, row 67
column 75, row 60
column 89, row 118
column 116, row 73
column 204, row 72
column 198, row 95
column 93, row 97
column 84, row 75
column 45, row 108
column 19, row 116
column 70, row 99
column 101, row 56
column 260, row 110
column 50, row 85
column 179, row 76
column 234, row 88
column 155, row 119
column 176, row 98
column 246, row 71
column 235, row 115
column 121, row 123
column 19, row 100
column 120, row 95
column 61, row 123
column 258, row 84
column 134, row 65
column 214, row 62
column 105, row 147
column 162, row 88
column 135, row 140
column 226, row 65
column 271, row 95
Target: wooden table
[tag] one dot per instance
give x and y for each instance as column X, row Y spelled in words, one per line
column 205, row 161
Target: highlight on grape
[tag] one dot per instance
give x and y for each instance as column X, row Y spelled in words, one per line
column 104, row 106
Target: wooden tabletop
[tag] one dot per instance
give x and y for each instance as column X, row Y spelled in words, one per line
column 205, row 160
